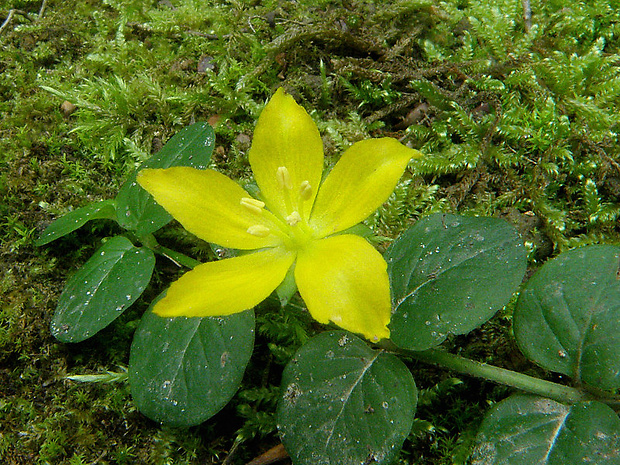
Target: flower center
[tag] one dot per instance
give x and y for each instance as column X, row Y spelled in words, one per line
column 292, row 228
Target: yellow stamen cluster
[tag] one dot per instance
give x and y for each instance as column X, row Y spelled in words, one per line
column 292, row 229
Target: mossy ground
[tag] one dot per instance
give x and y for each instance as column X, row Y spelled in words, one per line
column 518, row 117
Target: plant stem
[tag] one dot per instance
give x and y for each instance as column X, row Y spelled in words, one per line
column 520, row 381
column 180, row 259
column 177, row 257
column 510, row 378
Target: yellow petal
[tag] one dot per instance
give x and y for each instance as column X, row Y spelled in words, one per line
column 361, row 181
column 343, row 279
column 285, row 136
column 226, row 286
column 209, row 205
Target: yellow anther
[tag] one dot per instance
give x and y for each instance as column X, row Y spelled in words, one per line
column 305, row 190
column 293, row 218
column 259, row 230
column 255, row 206
column 284, row 178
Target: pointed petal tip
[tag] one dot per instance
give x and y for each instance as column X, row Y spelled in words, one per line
column 343, row 279
column 286, row 137
column 143, row 175
column 359, row 183
column 228, row 286
column 162, row 311
column 374, row 333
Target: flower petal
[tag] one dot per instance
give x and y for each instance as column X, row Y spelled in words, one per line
column 343, row 279
column 226, row 286
column 361, row 181
column 286, row 136
column 208, row 204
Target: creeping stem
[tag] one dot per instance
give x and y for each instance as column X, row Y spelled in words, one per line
column 510, row 378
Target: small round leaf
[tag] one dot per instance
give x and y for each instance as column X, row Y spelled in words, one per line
column 182, row 371
column 344, row 403
column 108, row 283
column 526, row 430
column 567, row 318
column 449, row 275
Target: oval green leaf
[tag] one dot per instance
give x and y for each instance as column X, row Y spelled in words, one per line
column 344, row 403
column 108, row 283
column 449, row 275
column 526, row 430
column 182, row 371
column 75, row 219
column 567, row 318
column 137, row 211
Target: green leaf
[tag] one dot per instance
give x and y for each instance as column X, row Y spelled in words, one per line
column 344, row 403
column 567, row 318
column 449, row 275
column 68, row 223
column 526, row 430
column 137, row 211
column 182, row 371
column 108, row 283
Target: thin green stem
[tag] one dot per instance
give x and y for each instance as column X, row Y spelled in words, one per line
column 510, row 378
column 180, row 259
column 176, row 257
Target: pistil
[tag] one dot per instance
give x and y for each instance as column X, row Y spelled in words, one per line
column 292, row 228
column 293, row 218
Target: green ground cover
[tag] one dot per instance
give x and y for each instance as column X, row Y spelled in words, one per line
column 518, row 118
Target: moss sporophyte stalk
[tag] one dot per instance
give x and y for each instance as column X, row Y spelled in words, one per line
column 298, row 225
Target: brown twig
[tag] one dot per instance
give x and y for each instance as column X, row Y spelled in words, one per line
column 527, row 15
column 9, row 17
column 13, row 11
column 42, row 9
column 309, row 34
column 273, row 455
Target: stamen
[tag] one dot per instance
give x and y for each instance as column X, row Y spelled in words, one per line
column 305, row 190
column 259, row 230
column 255, row 206
column 293, row 218
column 284, row 178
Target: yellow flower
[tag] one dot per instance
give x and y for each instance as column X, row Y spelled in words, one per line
column 340, row 276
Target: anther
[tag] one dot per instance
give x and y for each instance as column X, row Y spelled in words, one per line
column 284, row 178
column 255, row 206
column 293, row 218
column 305, row 190
column 258, row 230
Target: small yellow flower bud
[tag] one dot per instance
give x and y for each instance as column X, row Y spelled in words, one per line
column 255, row 206
column 284, row 178
column 259, row 230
